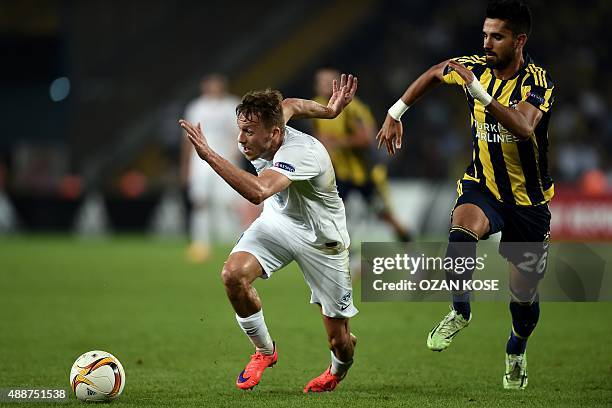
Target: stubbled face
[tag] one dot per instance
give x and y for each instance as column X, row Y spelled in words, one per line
column 255, row 139
column 323, row 82
column 499, row 43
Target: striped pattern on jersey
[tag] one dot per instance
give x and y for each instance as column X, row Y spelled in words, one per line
column 514, row 170
column 352, row 165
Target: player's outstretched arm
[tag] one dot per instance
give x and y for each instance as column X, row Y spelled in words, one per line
column 391, row 132
column 342, row 95
column 521, row 121
column 253, row 188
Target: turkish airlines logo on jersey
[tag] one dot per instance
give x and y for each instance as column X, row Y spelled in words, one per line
column 285, row 166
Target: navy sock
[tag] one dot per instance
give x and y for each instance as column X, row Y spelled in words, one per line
column 461, row 244
column 461, row 304
column 516, row 345
column 525, row 317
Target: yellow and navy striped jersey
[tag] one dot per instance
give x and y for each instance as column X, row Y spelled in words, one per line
column 351, row 164
column 513, row 169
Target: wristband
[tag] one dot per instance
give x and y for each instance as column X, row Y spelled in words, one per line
column 398, row 109
column 478, row 92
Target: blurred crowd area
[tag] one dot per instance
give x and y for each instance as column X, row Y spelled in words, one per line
column 92, row 90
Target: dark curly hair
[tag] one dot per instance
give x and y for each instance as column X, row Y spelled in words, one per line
column 266, row 106
column 515, row 13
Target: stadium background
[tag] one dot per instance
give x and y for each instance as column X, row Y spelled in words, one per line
column 91, row 91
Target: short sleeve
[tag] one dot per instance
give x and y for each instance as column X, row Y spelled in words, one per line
column 538, row 89
column 451, row 77
column 296, row 162
column 472, row 62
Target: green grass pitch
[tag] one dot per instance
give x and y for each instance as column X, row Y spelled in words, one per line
column 174, row 331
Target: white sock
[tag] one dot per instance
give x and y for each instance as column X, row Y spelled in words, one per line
column 200, row 225
column 254, row 326
column 339, row 368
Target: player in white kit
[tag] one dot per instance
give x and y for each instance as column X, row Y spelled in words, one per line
column 213, row 202
column 303, row 220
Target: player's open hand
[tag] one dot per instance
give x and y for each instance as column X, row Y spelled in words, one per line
column 196, row 137
column 465, row 74
column 342, row 94
column 390, row 134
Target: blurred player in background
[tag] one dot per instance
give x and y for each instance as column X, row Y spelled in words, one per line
column 507, row 186
column 348, row 139
column 213, row 202
column 303, row 220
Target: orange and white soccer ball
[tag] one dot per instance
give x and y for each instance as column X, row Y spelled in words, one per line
column 97, row 376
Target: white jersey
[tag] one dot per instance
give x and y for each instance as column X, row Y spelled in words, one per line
column 311, row 202
column 217, row 116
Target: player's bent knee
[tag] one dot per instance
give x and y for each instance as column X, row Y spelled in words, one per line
column 472, row 218
column 234, row 274
column 240, row 269
column 228, row 276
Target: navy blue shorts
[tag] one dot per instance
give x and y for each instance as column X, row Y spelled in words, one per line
column 528, row 227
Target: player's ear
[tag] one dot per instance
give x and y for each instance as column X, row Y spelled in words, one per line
column 276, row 131
column 520, row 40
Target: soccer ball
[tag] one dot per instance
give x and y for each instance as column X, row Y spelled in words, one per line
column 97, row 376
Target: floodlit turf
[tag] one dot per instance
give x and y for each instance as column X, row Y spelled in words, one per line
column 174, row 331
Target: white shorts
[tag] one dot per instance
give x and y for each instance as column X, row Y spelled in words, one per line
column 326, row 271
